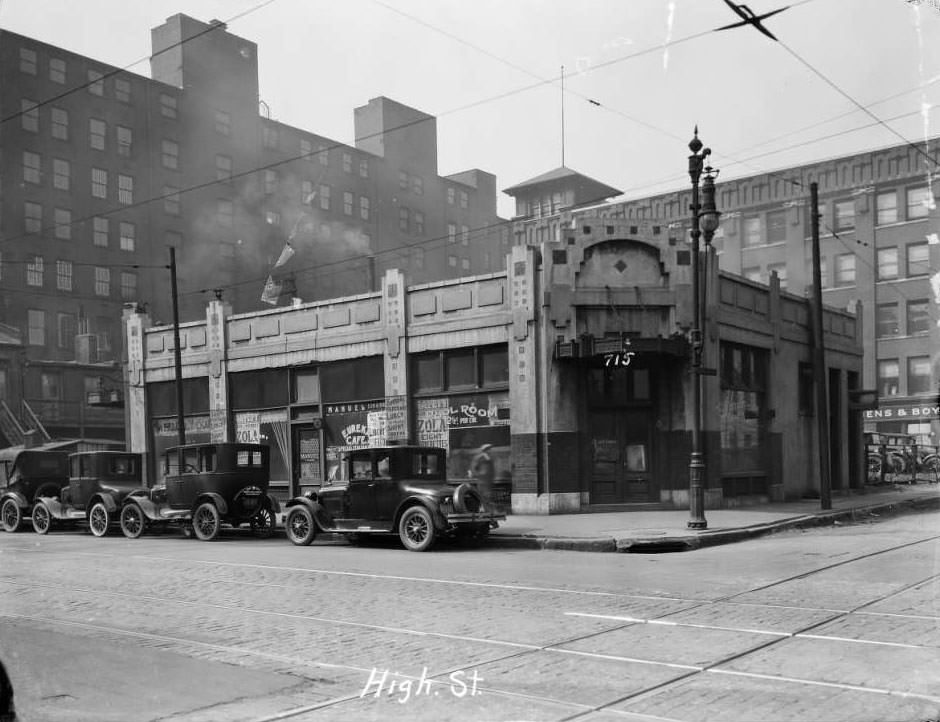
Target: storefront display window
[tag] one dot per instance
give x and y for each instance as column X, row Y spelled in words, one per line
column 743, row 398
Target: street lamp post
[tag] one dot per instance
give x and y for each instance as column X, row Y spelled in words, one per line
column 704, row 219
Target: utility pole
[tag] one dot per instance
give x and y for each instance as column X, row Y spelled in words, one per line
column 819, row 360
column 177, row 357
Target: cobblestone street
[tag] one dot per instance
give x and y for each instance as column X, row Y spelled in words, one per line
column 836, row 624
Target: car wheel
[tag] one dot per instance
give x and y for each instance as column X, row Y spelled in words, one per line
column 300, row 526
column 99, row 519
column 11, row 516
column 262, row 523
column 42, row 518
column 416, row 529
column 133, row 521
column 206, row 522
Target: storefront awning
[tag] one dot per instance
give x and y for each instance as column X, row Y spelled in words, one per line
column 589, row 347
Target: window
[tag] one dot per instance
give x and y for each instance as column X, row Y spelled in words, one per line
column 419, row 223
column 170, row 154
column 65, row 323
column 95, row 82
column 168, row 106
column 364, row 208
column 34, row 271
column 845, row 215
column 918, row 375
column 224, row 212
column 402, row 179
column 128, row 286
column 417, row 186
column 452, row 232
column 347, row 162
column 63, row 224
column 125, row 139
column 403, row 219
column 60, row 123
column 452, row 261
column 464, row 201
column 100, row 231
column 270, row 181
column 323, row 154
column 36, row 321
column 99, row 183
column 32, row 217
column 31, row 166
column 122, row 90
column 29, row 118
column 223, row 168
column 272, row 218
column 223, row 123
column 845, row 269
column 128, row 236
column 465, row 264
column 269, row 136
column 125, row 189
column 451, row 195
column 886, row 320
column 171, row 200
column 57, row 70
column 97, row 129
column 306, row 192
column 364, row 168
column 464, row 236
column 918, row 317
column 918, row 257
column 306, row 149
column 482, row 367
column 751, row 231
column 63, row 275
column 886, row 208
column 776, row 226
column 50, row 386
column 918, row 202
column 102, row 281
column 419, row 257
column 888, row 377
column 887, row 264
column 61, row 174
column 325, row 197
column 28, row 61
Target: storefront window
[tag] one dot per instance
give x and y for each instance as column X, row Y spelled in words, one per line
column 161, row 397
column 464, row 369
column 258, row 389
column 743, row 396
column 361, row 378
column 460, row 370
column 427, row 372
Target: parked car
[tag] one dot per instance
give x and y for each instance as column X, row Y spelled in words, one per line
column 99, row 481
column 26, row 475
column 389, row 490
column 206, row 485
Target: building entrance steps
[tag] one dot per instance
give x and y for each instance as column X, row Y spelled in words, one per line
column 665, row 531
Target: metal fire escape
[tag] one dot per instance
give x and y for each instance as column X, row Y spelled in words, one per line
column 17, row 428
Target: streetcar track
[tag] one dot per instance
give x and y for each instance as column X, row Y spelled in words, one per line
column 528, row 649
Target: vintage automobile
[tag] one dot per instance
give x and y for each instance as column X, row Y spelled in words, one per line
column 99, row 481
column 204, row 486
column 26, row 475
column 388, row 490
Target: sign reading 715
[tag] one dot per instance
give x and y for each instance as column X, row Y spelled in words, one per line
column 620, row 358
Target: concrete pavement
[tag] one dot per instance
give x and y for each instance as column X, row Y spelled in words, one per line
column 666, row 531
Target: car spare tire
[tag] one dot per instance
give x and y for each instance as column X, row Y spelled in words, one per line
column 467, row 499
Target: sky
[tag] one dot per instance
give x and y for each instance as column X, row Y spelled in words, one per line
column 639, row 75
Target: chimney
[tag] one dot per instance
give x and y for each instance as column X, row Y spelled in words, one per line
column 86, row 348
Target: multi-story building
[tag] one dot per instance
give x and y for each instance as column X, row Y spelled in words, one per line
column 104, row 170
column 880, row 252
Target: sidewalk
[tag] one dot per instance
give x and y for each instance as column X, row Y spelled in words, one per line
column 666, row 531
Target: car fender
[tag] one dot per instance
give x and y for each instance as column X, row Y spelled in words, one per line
column 146, row 506
column 275, row 504
column 56, row 508
column 215, row 499
column 49, row 490
column 20, row 500
column 416, row 500
column 320, row 515
column 106, row 499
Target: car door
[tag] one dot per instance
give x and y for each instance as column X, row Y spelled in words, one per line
column 360, row 494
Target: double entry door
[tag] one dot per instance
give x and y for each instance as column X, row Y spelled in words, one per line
column 620, row 454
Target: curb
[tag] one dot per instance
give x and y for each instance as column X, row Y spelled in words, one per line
column 689, row 542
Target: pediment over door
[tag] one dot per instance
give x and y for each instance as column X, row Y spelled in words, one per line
column 620, row 263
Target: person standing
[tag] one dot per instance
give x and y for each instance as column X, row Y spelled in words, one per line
column 483, row 470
